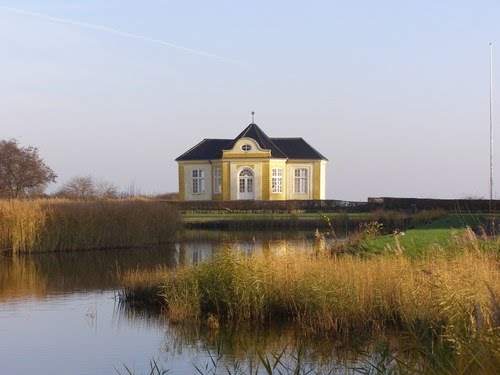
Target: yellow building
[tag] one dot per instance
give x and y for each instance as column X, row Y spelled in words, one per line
column 252, row 166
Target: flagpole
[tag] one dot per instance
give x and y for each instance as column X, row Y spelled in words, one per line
column 491, row 128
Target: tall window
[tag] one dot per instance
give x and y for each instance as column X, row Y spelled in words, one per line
column 277, row 180
column 217, row 181
column 198, row 181
column 300, row 181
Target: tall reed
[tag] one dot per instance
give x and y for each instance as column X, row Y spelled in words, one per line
column 21, row 223
column 59, row 224
column 450, row 295
column 321, row 292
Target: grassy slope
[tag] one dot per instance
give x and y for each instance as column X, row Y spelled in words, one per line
column 422, row 236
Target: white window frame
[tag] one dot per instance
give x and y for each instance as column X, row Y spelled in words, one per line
column 198, row 176
column 217, row 181
column 246, row 147
column 301, row 180
column 246, row 184
column 277, row 180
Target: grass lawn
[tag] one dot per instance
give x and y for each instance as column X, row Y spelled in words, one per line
column 422, row 236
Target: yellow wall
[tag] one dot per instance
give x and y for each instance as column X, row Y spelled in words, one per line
column 185, row 182
column 266, row 181
column 226, row 181
column 253, row 155
column 282, row 165
column 290, row 169
column 242, row 165
column 217, row 197
column 317, row 180
column 182, row 184
column 263, row 181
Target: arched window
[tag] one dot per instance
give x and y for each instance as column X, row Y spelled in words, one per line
column 246, row 173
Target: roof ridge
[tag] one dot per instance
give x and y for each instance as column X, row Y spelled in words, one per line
column 275, row 145
column 302, row 141
column 245, row 131
column 316, row 151
column 260, row 133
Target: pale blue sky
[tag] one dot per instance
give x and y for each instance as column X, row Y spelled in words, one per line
column 394, row 93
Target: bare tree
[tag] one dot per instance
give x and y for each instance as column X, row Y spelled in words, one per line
column 22, row 171
column 86, row 187
column 131, row 190
column 106, row 189
column 81, row 187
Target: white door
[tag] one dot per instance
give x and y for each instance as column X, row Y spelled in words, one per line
column 245, row 185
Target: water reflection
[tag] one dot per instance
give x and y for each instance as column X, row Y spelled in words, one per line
column 243, row 348
column 60, row 310
column 40, row 275
column 44, row 274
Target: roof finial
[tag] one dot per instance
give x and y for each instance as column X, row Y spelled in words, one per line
column 253, row 121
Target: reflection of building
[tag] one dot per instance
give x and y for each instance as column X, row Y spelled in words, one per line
column 252, row 166
column 195, row 252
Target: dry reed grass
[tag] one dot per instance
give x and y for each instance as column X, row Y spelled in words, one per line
column 339, row 293
column 146, row 286
column 449, row 296
column 59, row 224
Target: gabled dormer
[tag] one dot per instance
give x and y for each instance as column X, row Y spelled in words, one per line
column 255, row 133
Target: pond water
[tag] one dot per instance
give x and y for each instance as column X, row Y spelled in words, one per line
column 60, row 314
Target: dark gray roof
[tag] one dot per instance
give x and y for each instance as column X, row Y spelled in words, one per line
column 206, row 150
column 281, row 148
column 297, row 148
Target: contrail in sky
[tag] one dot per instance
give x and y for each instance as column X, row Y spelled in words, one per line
column 110, row 30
